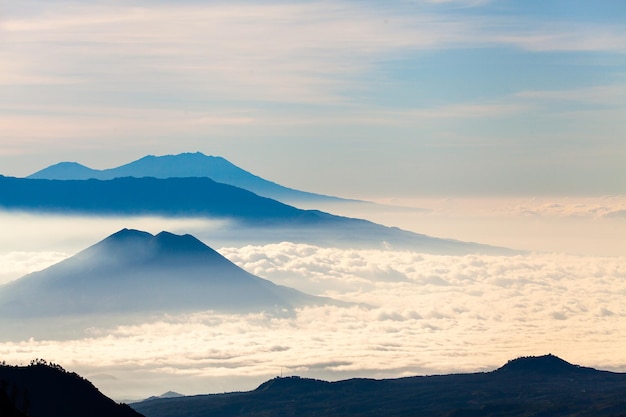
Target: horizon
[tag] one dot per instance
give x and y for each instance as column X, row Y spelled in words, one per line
column 490, row 121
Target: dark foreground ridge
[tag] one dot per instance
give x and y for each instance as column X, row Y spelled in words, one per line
column 529, row 386
column 47, row 390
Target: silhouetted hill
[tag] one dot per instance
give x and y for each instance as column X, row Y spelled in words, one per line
column 547, row 364
column 180, row 166
column 202, row 197
column 41, row 390
column 536, row 386
column 168, row 394
column 8, row 406
column 134, row 272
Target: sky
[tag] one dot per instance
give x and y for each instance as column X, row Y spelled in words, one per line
column 495, row 121
column 395, row 98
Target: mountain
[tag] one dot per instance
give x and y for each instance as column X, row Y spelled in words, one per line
column 172, row 196
column 168, row 394
column 269, row 220
column 532, row 386
column 43, row 390
column 184, row 165
column 135, row 273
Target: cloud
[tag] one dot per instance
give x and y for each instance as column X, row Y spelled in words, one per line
column 597, row 208
column 18, row 264
column 301, row 52
column 605, row 94
column 581, row 37
column 490, row 309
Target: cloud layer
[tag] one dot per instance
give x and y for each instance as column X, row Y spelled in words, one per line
column 428, row 314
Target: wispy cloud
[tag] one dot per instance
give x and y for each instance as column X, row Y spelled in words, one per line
column 606, row 94
column 305, row 52
column 557, row 36
column 137, row 76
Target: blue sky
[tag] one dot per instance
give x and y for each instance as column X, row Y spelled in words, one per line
column 355, row 98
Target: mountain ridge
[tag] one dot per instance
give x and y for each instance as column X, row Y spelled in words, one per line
column 534, row 392
column 270, row 220
column 183, row 165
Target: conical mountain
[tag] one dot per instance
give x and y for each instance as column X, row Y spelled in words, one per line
column 135, row 272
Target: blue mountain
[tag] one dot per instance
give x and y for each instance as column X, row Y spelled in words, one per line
column 135, row 272
column 255, row 219
column 181, row 166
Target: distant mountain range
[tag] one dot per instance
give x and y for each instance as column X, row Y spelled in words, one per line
column 185, row 165
column 136, row 196
column 134, row 272
column 272, row 221
column 530, row 386
column 43, row 390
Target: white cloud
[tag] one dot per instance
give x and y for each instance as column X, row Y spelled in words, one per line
column 18, row 264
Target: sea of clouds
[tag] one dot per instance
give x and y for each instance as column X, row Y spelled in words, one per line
column 414, row 314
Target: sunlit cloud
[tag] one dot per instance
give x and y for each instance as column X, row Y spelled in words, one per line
column 18, row 264
column 427, row 314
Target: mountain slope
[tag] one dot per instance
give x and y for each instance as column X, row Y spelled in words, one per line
column 271, row 221
column 133, row 277
column 184, row 165
column 41, row 390
column 529, row 388
column 134, row 271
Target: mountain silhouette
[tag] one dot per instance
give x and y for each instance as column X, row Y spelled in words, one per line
column 547, row 364
column 270, row 220
column 44, row 390
column 172, row 196
column 532, row 386
column 134, row 272
column 181, row 166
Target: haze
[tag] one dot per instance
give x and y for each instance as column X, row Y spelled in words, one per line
column 491, row 121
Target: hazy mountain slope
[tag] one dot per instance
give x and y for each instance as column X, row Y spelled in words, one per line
column 526, row 389
column 173, row 196
column 66, row 171
column 133, row 271
column 40, row 390
column 271, row 220
column 132, row 277
column 184, row 165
